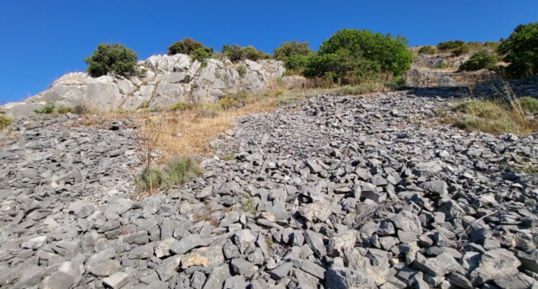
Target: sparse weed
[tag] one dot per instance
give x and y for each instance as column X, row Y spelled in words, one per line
column 248, row 206
column 4, row 121
column 242, row 70
column 529, row 104
column 64, row 109
column 181, row 106
column 47, row 109
column 175, row 172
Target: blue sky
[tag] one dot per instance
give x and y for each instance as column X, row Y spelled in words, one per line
column 43, row 40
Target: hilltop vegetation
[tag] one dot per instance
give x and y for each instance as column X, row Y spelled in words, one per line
column 348, row 57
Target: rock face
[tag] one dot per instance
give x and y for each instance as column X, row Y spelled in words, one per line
column 332, row 192
column 168, row 80
column 424, row 74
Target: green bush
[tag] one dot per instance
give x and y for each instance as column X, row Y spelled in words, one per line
column 448, row 45
column 294, row 55
column 202, row 54
column 480, row 60
column 441, row 65
column 242, row 70
column 529, row 104
column 187, row 46
column 4, row 121
column 236, row 53
column 521, row 50
column 47, row 109
column 350, row 54
column 111, row 58
column 181, row 106
column 288, row 49
column 296, row 62
column 491, row 44
column 427, row 50
column 64, row 109
column 461, row 50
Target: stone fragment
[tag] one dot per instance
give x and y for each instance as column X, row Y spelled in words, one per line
column 315, row 242
column 81, row 208
column 34, row 243
column 167, row 269
column 217, row 277
column 281, row 271
column 203, row 257
column 498, row 263
column 348, row 279
column 117, row 280
column 316, row 211
column 187, row 243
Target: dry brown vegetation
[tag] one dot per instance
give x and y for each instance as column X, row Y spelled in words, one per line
column 188, row 131
column 506, row 114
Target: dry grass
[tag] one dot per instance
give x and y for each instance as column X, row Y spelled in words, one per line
column 188, row 131
column 495, row 117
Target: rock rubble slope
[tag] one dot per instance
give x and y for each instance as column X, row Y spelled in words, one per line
column 334, row 192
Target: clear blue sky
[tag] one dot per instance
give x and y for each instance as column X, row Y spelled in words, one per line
column 42, row 40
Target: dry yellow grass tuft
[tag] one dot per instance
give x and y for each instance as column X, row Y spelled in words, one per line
column 190, row 131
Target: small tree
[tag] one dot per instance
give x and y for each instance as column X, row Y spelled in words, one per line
column 113, row 58
column 187, row 46
column 351, row 53
column 521, row 50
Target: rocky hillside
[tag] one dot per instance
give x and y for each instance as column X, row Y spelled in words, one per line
column 441, row 70
column 166, row 81
column 333, row 192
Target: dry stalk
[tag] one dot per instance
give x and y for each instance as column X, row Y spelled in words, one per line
column 147, row 142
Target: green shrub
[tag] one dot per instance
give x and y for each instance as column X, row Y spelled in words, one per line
column 4, row 121
column 47, row 109
column 491, row 44
column 294, row 55
column 480, row 60
column 175, row 172
column 288, row 49
column 521, row 50
column 529, row 104
column 448, row 45
column 441, row 65
column 202, row 54
column 296, row 62
column 64, row 109
column 427, row 50
column 181, row 106
column 187, row 46
column 237, row 53
column 242, row 70
column 350, row 54
column 111, row 58
column 461, row 50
